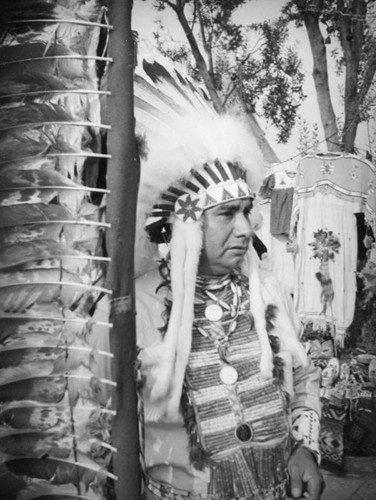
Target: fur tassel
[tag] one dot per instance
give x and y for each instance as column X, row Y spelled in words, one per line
column 162, row 372
column 193, row 244
column 258, row 312
column 170, row 355
column 284, row 326
column 270, row 315
column 284, row 323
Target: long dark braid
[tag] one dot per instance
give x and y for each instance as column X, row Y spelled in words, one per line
column 165, row 273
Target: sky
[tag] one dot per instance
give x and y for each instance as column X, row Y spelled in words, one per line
column 144, row 18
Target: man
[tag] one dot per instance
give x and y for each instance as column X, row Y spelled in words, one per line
column 231, row 402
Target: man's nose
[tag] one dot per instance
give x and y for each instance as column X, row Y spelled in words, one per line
column 243, row 226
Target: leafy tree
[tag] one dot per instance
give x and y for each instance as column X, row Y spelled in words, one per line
column 272, row 81
column 347, row 21
column 265, row 77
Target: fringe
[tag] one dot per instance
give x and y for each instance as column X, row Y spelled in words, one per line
column 197, row 454
column 278, row 363
column 253, row 474
column 270, row 315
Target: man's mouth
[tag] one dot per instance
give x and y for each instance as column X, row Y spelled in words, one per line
column 239, row 248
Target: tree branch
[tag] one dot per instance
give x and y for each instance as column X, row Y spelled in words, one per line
column 174, row 6
column 203, row 35
column 229, row 93
column 351, row 30
column 344, row 29
column 369, row 74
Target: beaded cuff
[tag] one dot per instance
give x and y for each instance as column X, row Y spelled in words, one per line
column 306, row 429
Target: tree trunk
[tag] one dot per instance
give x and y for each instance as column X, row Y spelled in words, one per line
column 269, row 154
column 320, row 77
column 352, row 37
column 123, row 178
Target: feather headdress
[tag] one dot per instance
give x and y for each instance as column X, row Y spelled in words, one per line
column 183, row 132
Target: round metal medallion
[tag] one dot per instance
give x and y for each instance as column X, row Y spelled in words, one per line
column 213, row 312
column 244, row 433
column 228, row 375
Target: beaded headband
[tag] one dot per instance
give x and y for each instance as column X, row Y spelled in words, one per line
column 213, row 184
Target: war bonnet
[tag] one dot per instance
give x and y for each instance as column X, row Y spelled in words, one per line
column 196, row 159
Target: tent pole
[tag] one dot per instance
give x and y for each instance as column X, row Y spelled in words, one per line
column 122, row 179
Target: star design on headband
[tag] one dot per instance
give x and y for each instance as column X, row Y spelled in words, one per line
column 188, row 209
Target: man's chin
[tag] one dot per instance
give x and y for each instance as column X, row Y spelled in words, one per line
column 235, row 259
column 237, row 253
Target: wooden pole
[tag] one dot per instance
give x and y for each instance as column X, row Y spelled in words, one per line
column 122, row 180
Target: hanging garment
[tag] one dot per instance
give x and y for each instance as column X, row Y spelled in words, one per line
column 277, row 192
column 331, row 188
column 281, row 261
column 279, row 188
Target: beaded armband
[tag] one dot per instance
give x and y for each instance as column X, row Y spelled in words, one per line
column 306, row 429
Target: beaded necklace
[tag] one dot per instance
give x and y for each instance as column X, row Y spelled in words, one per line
column 214, row 313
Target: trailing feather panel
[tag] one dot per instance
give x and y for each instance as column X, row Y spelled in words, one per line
column 55, row 387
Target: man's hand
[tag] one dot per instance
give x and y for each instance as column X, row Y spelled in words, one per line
column 306, row 481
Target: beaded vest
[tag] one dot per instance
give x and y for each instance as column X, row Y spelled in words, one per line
column 237, row 414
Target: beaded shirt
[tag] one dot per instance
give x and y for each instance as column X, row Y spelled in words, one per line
column 235, row 420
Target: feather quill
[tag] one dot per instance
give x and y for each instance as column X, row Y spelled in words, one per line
column 54, row 359
column 24, row 214
column 20, row 384
column 27, row 414
column 59, row 471
column 36, row 443
column 46, row 491
column 22, row 186
column 20, row 290
column 31, row 251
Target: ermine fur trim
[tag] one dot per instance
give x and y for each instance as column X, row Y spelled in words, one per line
column 286, row 323
column 258, row 309
column 174, row 349
column 163, row 369
column 193, row 243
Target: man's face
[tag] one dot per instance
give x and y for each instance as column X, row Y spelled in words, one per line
column 227, row 230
